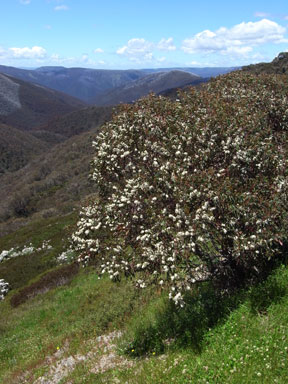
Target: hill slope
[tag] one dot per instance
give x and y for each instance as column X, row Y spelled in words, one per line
column 51, row 183
column 25, row 105
column 17, row 148
column 155, row 82
column 279, row 65
column 75, row 123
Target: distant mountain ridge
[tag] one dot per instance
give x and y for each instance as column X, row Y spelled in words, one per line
column 89, row 84
column 25, row 105
column 154, row 82
column 83, row 83
column 205, row 72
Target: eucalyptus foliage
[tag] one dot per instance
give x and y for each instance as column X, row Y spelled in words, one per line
column 192, row 189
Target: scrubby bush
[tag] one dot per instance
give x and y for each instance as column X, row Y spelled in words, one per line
column 19, row 205
column 26, row 250
column 191, row 190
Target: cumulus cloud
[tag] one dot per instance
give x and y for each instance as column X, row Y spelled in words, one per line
column 135, row 48
column 25, row 2
column 98, row 50
column 166, row 45
column 238, row 39
column 28, row 53
column 141, row 50
column 61, row 8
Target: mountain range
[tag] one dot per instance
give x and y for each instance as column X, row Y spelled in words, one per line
column 89, row 84
column 156, row 82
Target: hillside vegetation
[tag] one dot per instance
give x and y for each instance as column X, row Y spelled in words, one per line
column 76, row 122
column 57, row 159
column 17, row 148
column 278, row 66
column 51, row 184
column 183, row 239
column 30, row 105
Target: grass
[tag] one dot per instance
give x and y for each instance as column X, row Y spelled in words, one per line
column 246, row 346
column 213, row 339
column 245, row 341
column 80, row 311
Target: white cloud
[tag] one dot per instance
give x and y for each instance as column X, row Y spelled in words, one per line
column 262, row 14
column 141, row 50
column 161, row 59
column 242, row 51
column 136, row 48
column 25, row 2
column 102, row 62
column 239, row 39
column 28, row 53
column 166, row 45
column 98, row 50
column 61, row 8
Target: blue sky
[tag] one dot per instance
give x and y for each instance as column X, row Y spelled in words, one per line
column 141, row 34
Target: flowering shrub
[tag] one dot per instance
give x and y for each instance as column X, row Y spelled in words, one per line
column 66, row 256
column 191, row 190
column 26, row 250
column 4, row 288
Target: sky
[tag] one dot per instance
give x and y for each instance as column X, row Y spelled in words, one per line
column 123, row 34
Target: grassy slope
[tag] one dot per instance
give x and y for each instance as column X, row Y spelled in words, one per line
column 249, row 346
column 243, row 339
